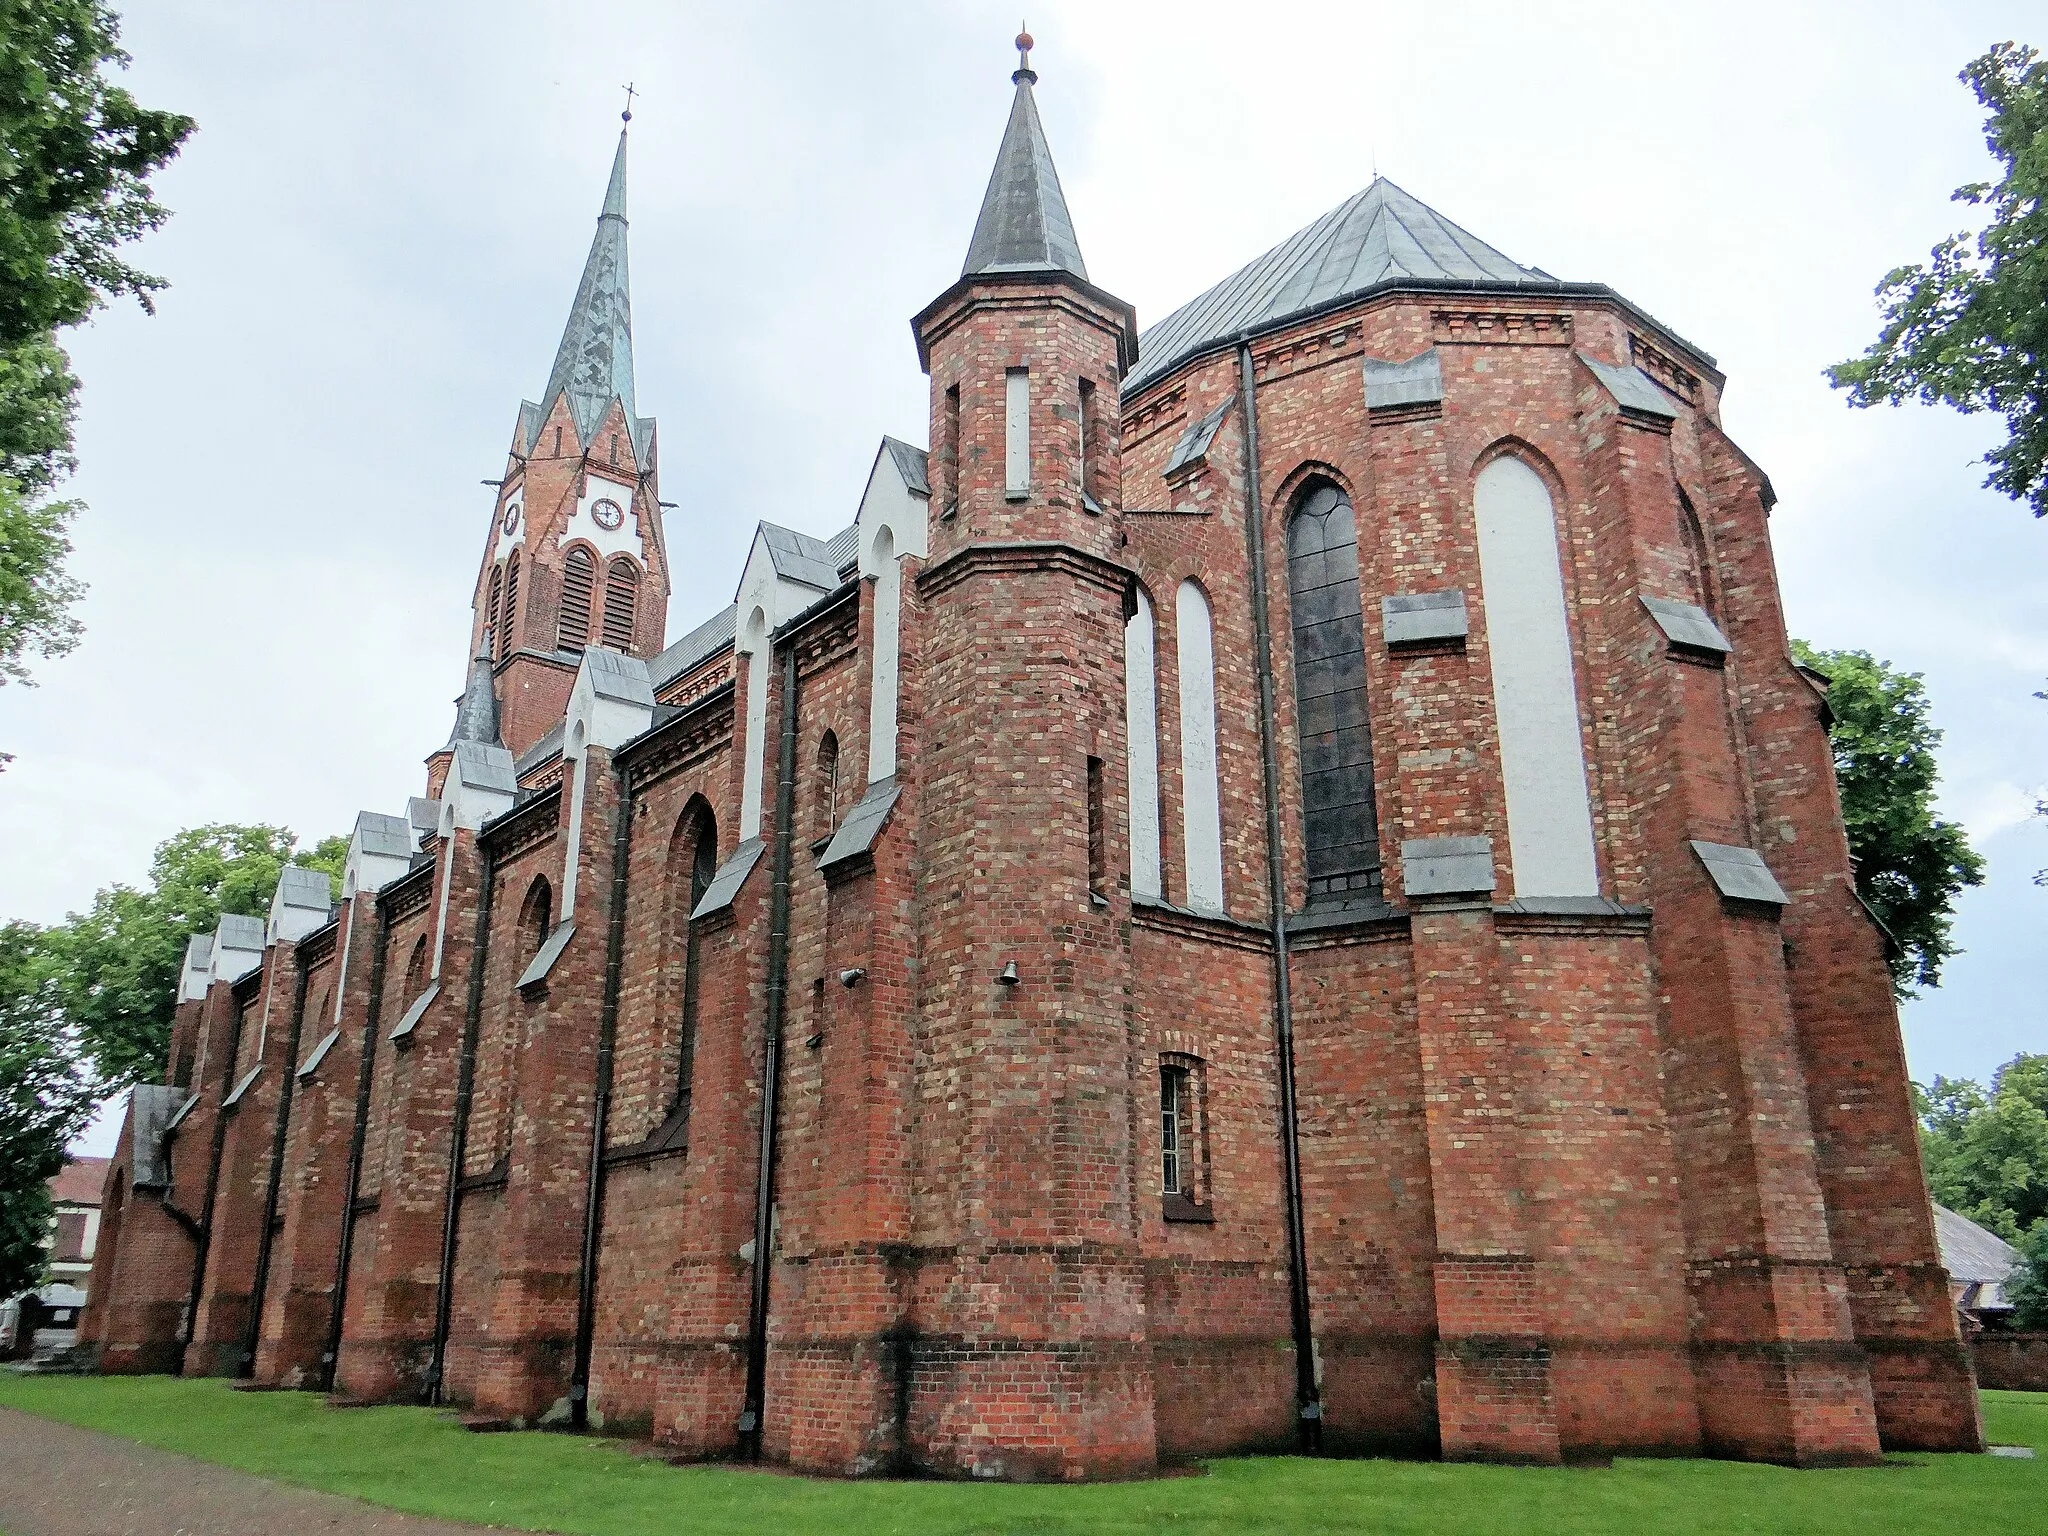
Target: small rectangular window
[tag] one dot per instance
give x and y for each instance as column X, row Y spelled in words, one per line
column 949, row 453
column 1017, row 433
column 1098, row 835
column 1183, row 1156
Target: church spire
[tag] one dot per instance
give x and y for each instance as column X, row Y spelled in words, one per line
column 476, row 712
column 594, row 364
column 1024, row 225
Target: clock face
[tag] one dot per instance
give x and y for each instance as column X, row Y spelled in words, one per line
column 511, row 523
column 606, row 515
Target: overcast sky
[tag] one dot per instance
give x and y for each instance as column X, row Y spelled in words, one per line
column 380, row 223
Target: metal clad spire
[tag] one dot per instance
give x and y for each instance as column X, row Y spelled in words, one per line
column 476, row 712
column 1024, row 224
column 594, row 364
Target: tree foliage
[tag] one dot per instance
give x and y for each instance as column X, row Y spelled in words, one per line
column 118, row 962
column 1910, row 864
column 76, row 154
column 1986, row 1155
column 45, row 1100
column 1970, row 329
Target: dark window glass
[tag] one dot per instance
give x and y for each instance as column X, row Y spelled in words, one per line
column 1176, row 1128
column 1340, row 823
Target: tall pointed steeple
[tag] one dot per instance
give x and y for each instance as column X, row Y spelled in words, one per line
column 1024, row 225
column 594, row 363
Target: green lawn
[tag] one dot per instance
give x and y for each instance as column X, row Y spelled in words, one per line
column 419, row 1460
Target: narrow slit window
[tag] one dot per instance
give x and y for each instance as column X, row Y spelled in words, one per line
column 1017, row 432
column 949, row 450
column 1098, row 833
column 1339, row 814
column 1084, row 430
column 579, row 585
column 1183, row 1153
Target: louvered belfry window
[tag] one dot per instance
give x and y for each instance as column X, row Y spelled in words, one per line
column 505, row 640
column 491, row 602
column 579, row 582
column 1340, row 820
column 621, row 602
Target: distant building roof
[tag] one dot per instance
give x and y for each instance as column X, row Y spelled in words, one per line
column 1379, row 238
column 1977, row 1260
column 79, row 1181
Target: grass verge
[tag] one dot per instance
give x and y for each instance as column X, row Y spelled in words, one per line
column 418, row 1460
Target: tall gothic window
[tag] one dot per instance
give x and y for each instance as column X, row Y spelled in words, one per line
column 505, row 641
column 579, row 586
column 691, row 880
column 621, row 600
column 828, row 784
column 1340, row 823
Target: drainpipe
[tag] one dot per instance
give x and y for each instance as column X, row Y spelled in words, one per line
column 458, row 1139
column 205, row 1237
column 1308, row 1398
column 352, row 1184
column 771, row 1068
column 254, row 1333
column 607, row 1035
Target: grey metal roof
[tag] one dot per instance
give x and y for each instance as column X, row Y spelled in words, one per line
column 1970, row 1254
column 423, row 814
column 485, row 766
column 614, row 675
column 843, row 550
column 319, row 1053
column 476, row 712
column 856, row 835
column 912, row 462
column 1377, row 239
column 1193, row 447
column 238, row 932
column 708, row 638
column 1024, row 224
column 732, row 874
column 1419, row 618
column 411, row 1021
column 594, row 363
column 1418, row 381
column 799, row 557
column 1633, row 389
column 385, row 836
column 199, row 950
column 311, row 889
column 1687, row 624
column 544, row 961
column 1740, row 873
column 548, row 746
column 242, row 1088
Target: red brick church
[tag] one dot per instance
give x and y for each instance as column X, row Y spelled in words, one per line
column 1277, row 886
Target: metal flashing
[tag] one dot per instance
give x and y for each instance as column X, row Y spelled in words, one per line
column 1420, row 618
column 1633, row 390
column 1392, row 386
column 706, row 640
column 1740, row 874
column 1447, row 866
column 248, row 1081
column 384, row 836
column 1192, row 451
column 411, row 1021
column 178, row 1115
column 548, row 746
column 863, row 824
column 1687, row 626
column 732, row 874
column 544, row 960
column 479, row 765
column 319, row 1053
column 912, row 463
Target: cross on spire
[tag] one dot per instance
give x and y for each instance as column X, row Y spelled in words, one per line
column 627, row 115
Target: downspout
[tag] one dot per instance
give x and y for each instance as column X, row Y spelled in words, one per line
column 607, row 1035
column 458, row 1139
column 1307, row 1395
column 254, row 1334
column 352, row 1184
column 771, row 1067
column 220, row 1141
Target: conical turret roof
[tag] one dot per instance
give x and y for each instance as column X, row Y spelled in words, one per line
column 1024, row 225
column 476, row 712
column 594, row 363
column 1380, row 238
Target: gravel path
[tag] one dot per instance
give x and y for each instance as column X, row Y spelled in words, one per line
column 56, row 1480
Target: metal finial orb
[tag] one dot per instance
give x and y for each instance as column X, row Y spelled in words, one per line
column 1023, row 42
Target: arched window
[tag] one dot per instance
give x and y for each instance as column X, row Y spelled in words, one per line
column 621, row 600
column 416, row 969
column 1700, row 557
column 1141, row 735
column 827, row 783
column 579, row 586
column 693, row 862
column 1200, row 814
column 1341, row 827
column 1535, row 694
column 536, row 917
column 511, row 605
column 491, row 605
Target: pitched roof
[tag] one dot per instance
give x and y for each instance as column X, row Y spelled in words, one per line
column 1380, row 238
column 713, row 635
column 476, row 712
column 594, row 363
column 912, row 462
column 799, row 557
column 78, row 1181
column 1024, row 224
column 1969, row 1253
